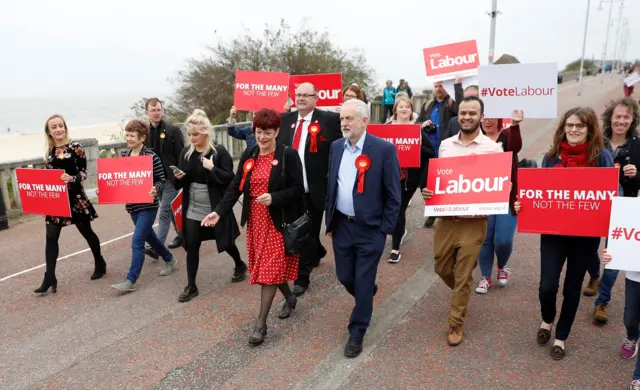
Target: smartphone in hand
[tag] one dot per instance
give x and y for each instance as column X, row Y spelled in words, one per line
column 175, row 169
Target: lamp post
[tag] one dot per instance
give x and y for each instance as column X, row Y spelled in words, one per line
column 584, row 46
column 615, row 46
column 492, row 39
column 606, row 38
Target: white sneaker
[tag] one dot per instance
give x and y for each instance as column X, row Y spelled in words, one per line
column 484, row 285
column 503, row 276
column 394, row 257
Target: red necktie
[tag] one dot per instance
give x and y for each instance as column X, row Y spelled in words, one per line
column 297, row 136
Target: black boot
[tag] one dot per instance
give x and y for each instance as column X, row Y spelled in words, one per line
column 49, row 281
column 100, row 269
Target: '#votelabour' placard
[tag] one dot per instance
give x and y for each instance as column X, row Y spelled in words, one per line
column 125, row 180
column 42, row 191
column 406, row 138
column 471, row 185
column 566, row 201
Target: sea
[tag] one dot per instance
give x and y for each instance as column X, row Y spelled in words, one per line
column 28, row 115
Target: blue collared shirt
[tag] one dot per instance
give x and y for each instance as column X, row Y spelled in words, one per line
column 347, row 174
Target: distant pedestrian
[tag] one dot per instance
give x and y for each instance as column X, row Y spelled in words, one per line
column 404, row 87
column 242, row 133
column 388, row 100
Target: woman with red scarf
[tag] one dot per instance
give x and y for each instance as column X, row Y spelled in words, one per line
column 578, row 142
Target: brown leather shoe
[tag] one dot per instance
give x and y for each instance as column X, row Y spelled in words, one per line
column 600, row 314
column 592, row 288
column 455, row 336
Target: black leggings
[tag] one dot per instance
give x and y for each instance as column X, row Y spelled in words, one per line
column 52, row 249
column 406, row 195
column 196, row 234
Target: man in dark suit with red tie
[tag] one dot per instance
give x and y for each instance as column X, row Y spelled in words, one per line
column 363, row 205
column 311, row 131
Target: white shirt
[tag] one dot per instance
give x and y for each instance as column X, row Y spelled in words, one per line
column 635, row 276
column 303, row 143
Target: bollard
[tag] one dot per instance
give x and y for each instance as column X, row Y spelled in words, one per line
column 4, row 222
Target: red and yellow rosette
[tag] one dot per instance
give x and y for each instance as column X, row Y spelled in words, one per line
column 246, row 168
column 363, row 162
column 314, row 130
column 617, row 165
column 162, row 135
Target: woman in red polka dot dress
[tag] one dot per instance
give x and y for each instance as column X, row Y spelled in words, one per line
column 270, row 195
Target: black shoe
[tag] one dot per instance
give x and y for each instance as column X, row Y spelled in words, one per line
column 543, row 336
column 429, row 222
column 177, row 242
column 99, row 270
column 289, row 305
column 188, row 294
column 375, row 289
column 49, row 281
column 239, row 274
column 299, row 291
column 151, row 253
column 253, row 340
column 353, row 348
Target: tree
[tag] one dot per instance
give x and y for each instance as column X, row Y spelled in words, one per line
column 208, row 83
column 575, row 65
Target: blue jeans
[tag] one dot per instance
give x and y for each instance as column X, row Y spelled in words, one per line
column 169, row 193
column 632, row 315
column 143, row 232
column 500, row 232
column 609, row 277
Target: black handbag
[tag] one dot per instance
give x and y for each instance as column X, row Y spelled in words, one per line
column 296, row 234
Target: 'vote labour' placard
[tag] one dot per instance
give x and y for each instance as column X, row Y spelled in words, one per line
column 125, row 180
column 478, row 184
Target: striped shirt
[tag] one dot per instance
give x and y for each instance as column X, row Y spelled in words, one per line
column 158, row 181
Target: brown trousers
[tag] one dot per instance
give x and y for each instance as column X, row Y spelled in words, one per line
column 456, row 248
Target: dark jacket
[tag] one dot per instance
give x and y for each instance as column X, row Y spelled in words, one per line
column 243, row 133
column 415, row 176
column 454, row 126
column 171, row 141
column 379, row 205
column 448, row 110
column 629, row 153
column 316, row 164
column 217, row 180
column 286, row 191
column 511, row 140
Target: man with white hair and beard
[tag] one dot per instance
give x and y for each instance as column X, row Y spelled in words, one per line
column 458, row 240
column 363, row 205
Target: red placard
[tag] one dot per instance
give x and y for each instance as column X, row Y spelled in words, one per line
column 257, row 90
column 478, row 184
column 125, row 180
column 447, row 61
column 42, row 191
column 176, row 207
column 566, row 201
column 406, row 138
column 329, row 86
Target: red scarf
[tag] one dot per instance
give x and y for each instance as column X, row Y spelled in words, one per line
column 575, row 156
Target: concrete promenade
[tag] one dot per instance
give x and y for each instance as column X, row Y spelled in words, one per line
column 88, row 336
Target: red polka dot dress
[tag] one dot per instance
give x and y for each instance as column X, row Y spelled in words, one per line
column 268, row 262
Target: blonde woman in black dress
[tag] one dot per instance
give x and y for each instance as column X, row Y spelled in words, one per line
column 62, row 153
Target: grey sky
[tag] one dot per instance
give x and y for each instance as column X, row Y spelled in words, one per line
column 80, row 47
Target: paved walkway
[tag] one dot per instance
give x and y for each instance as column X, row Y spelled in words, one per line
column 87, row 336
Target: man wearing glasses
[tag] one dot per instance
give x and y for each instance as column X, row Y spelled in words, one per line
column 311, row 131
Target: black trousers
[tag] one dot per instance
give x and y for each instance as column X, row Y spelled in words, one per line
column 554, row 251
column 406, row 195
column 387, row 112
column 311, row 254
column 52, row 249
